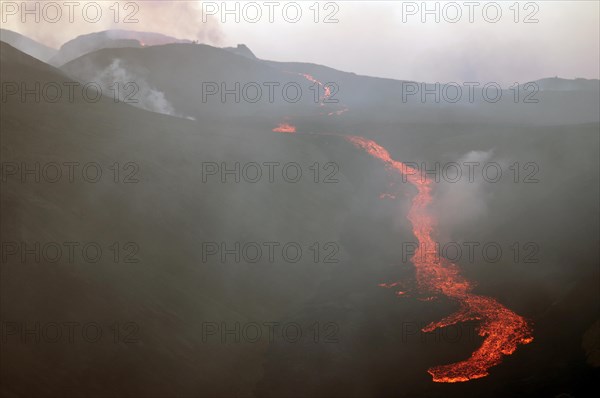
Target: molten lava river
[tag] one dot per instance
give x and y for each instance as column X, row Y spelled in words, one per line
column 503, row 330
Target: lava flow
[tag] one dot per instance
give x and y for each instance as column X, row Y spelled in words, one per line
column 285, row 128
column 502, row 329
column 327, row 89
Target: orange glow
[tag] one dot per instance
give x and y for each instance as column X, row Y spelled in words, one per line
column 337, row 113
column 503, row 329
column 285, row 128
column 313, row 80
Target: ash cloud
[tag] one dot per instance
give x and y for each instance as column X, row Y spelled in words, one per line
column 180, row 19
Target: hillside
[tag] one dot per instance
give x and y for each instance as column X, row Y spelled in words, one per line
column 160, row 203
column 200, row 66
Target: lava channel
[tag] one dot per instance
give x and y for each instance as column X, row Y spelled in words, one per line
column 502, row 329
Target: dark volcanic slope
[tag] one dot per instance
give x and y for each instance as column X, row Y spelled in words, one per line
column 366, row 97
column 198, row 66
column 169, row 212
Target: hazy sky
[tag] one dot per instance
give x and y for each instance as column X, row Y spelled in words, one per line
column 378, row 38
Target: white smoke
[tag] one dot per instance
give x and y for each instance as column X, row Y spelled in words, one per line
column 133, row 89
column 180, row 19
column 458, row 204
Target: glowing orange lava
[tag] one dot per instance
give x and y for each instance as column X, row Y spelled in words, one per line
column 327, row 89
column 503, row 329
column 285, row 128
